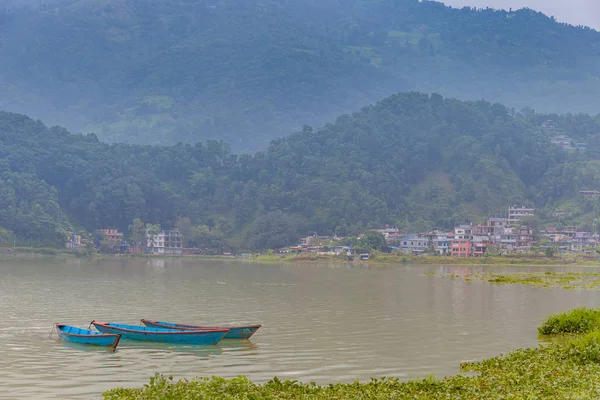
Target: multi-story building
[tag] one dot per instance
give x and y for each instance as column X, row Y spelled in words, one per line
column 113, row 236
column 516, row 213
column 479, row 249
column 414, row 243
column 463, row 232
column 167, row 242
column 569, row 231
column 441, row 243
column 563, row 141
column 525, row 239
column 583, row 242
column 508, row 240
column 461, row 248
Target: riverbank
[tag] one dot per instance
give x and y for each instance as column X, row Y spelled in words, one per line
column 562, row 369
column 522, row 260
column 378, row 258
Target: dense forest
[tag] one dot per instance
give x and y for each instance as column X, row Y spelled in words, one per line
column 249, row 71
column 413, row 160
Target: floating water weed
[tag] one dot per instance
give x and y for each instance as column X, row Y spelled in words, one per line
column 566, row 280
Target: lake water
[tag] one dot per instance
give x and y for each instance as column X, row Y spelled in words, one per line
column 322, row 323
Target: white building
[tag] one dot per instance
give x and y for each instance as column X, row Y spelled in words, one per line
column 516, row 213
column 165, row 243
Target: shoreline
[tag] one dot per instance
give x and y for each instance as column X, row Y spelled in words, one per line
column 385, row 259
column 378, row 259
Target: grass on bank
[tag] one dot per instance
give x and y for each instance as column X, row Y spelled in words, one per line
column 577, row 321
column 386, row 258
column 564, row 370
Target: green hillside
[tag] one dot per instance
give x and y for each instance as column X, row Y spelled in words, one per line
column 412, row 160
column 249, row 71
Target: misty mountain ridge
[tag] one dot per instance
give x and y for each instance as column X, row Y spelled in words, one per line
column 246, row 72
column 412, row 161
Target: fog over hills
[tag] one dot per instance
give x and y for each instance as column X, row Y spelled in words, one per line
column 246, row 72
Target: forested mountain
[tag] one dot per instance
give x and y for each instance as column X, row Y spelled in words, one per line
column 247, row 71
column 412, row 160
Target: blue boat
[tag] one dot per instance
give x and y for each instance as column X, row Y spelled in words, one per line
column 85, row 336
column 235, row 332
column 162, row 335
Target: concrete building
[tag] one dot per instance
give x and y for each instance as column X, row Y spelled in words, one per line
column 167, row 242
column 463, row 232
column 113, row 236
column 525, row 239
column 508, row 240
column 515, row 213
column 461, row 248
column 414, row 243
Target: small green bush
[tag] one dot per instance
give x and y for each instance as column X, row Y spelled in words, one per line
column 578, row 320
column 37, row 250
column 587, row 348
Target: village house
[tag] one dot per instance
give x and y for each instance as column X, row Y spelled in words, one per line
column 463, row 232
column 73, row 241
column 570, row 231
column 440, row 242
column 508, row 240
column 515, row 214
column 415, row 243
column 461, row 248
column 480, row 245
column 562, row 141
column 167, row 242
column 589, row 193
column 113, row 236
column 525, row 239
column 394, row 238
column 583, row 242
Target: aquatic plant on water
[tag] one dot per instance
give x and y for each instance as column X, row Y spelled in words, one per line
column 578, row 320
column 565, row 280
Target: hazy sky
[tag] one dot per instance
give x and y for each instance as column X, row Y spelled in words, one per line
column 575, row 12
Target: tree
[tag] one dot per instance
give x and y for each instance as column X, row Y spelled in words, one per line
column 273, row 230
column 209, row 240
column 137, row 232
column 6, row 237
column 373, row 240
column 533, row 221
column 187, row 230
column 151, row 231
column 97, row 237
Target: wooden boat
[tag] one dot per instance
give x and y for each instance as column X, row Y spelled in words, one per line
column 85, row 336
column 162, row 335
column 235, row 332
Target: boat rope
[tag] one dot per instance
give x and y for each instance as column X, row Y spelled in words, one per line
column 52, row 330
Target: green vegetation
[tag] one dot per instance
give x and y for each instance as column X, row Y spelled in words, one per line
column 248, row 71
column 412, row 161
column 578, row 320
column 558, row 370
column 566, row 280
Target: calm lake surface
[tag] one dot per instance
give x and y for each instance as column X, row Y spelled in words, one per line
column 322, row 323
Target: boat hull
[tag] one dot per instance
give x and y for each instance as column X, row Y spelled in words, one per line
column 133, row 332
column 84, row 336
column 235, row 332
